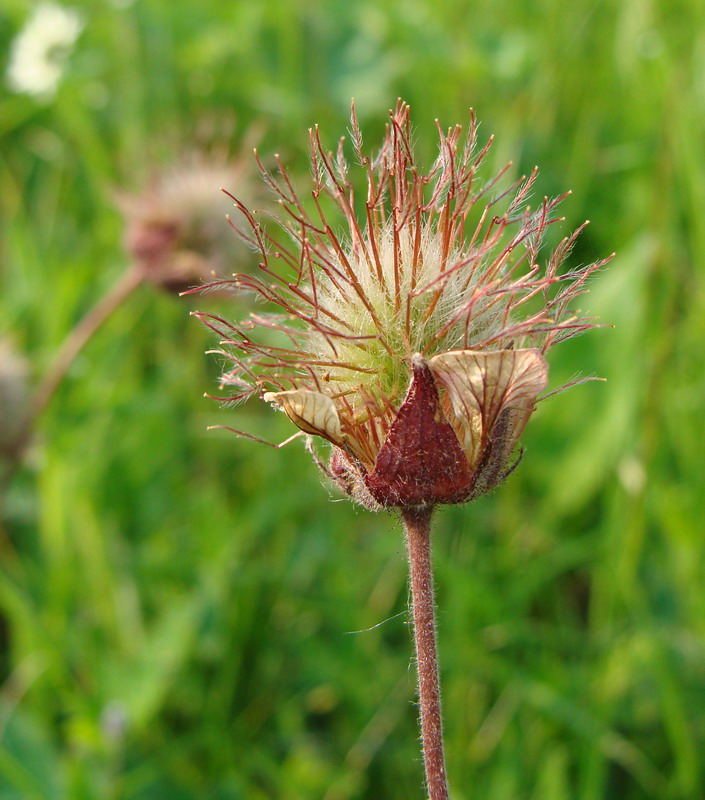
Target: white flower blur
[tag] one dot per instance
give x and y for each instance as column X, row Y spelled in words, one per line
column 39, row 52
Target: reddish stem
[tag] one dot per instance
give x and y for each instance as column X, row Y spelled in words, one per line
column 417, row 525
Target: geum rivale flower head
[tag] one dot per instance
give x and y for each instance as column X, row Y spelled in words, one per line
column 414, row 341
column 174, row 232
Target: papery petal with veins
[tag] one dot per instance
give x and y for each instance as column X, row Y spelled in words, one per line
column 313, row 412
column 482, row 385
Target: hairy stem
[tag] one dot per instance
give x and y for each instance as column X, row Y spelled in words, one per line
column 417, row 526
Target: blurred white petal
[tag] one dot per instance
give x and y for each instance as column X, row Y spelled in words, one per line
column 39, row 52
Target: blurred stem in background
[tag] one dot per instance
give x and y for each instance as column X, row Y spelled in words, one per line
column 79, row 337
column 62, row 362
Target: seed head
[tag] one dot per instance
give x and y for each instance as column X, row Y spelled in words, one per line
column 175, row 232
column 413, row 341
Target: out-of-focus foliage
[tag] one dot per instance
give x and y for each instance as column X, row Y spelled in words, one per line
column 176, row 606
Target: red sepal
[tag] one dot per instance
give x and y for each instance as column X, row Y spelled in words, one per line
column 421, row 461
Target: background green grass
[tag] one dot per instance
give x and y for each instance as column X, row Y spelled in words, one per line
column 177, row 606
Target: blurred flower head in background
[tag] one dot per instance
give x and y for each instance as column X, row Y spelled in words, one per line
column 14, row 399
column 39, row 52
column 176, row 230
column 414, row 342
